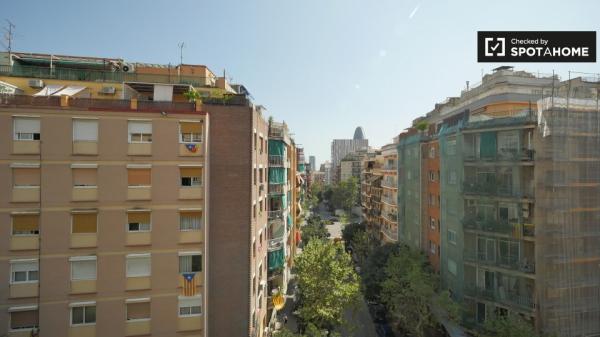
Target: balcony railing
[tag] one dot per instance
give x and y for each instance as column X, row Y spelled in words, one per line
column 276, row 188
column 389, row 184
column 389, row 200
column 504, row 155
column 275, row 244
column 275, row 215
column 487, row 225
column 506, row 262
column 276, row 160
column 392, row 217
column 389, row 168
column 494, row 189
column 505, row 297
column 391, row 233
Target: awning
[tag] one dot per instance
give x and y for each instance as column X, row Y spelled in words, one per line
column 7, row 88
column 49, row 90
column 69, row 91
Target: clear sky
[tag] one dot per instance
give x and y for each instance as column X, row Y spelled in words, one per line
column 323, row 66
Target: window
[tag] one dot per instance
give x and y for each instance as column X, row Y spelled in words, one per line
column 85, row 177
column 138, row 265
column 452, row 178
column 452, row 267
column 254, row 175
column 22, row 318
column 261, row 144
column 83, row 268
column 83, row 313
column 85, row 130
column 139, row 177
column 140, row 132
column 84, row 223
column 26, row 128
column 190, row 132
column 255, row 140
column 261, row 175
column 432, row 223
column 24, row 271
column 138, row 221
column 191, row 176
column 432, row 247
column 190, row 306
column 190, row 220
column 190, row 263
column 138, row 309
column 452, row 236
column 26, row 176
column 25, row 224
column 432, row 176
column 432, row 152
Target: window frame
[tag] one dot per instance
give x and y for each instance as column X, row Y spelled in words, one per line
column 180, row 298
column 83, row 305
column 134, row 301
column 192, row 141
column 24, row 261
column 192, row 254
column 127, row 228
column 12, row 223
column 83, row 259
column 139, row 256
column 16, row 134
column 72, row 222
column 141, row 134
column 21, row 309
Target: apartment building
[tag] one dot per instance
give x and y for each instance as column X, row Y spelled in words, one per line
column 389, row 194
column 430, row 198
column 340, row 148
column 108, row 168
column 370, row 188
column 518, row 198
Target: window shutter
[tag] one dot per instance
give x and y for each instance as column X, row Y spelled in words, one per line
column 24, row 319
column 138, row 266
column 138, row 217
column 85, row 177
column 25, row 224
column 191, row 171
column 85, row 130
column 83, row 270
column 190, row 127
column 139, row 177
column 24, row 266
column 26, row 176
column 138, row 310
column 27, row 125
column 85, row 223
column 140, row 127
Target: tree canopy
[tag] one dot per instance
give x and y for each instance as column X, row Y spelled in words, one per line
column 314, row 229
column 345, row 194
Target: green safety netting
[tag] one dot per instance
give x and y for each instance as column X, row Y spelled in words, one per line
column 276, row 148
column 488, row 145
column 276, row 175
column 283, row 201
column 300, row 167
column 276, row 259
column 289, row 221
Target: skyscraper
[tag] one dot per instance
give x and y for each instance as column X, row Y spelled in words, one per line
column 342, row 147
column 313, row 163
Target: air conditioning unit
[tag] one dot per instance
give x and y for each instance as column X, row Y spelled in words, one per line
column 108, row 90
column 36, row 83
column 128, row 67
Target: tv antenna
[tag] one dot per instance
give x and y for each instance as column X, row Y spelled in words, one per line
column 9, row 36
column 181, row 45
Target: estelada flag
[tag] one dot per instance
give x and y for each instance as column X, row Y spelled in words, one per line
column 189, row 284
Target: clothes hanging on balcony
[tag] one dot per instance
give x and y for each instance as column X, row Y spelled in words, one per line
column 276, row 259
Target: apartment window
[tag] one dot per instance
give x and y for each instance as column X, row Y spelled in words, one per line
column 138, row 265
column 190, row 221
column 140, row 132
column 432, row 223
column 254, row 175
column 23, row 318
column 85, row 130
column 139, row 221
column 191, row 176
column 190, row 306
column 190, row 262
column 26, row 128
column 83, row 268
column 25, row 224
column 432, row 247
column 254, row 211
column 255, row 140
column 83, row 313
column 85, row 177
column 452, row 267
column 261, row 145
column 24, row 271
column 138, row 309
column 139, row 177
column 260, row 207
column 431, row 152
column 84, row 223
column 260, row 175
column 408, row 175
column 190, row 132
column 432, row 200
column 26, row 176
column 452, row 178
column 432, row 176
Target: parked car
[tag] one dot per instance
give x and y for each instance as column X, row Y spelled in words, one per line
column 384, row 330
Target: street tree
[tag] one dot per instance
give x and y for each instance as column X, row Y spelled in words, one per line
column 345, row 194
column 314, row 229
column 373, row 273
column 508, row 326
column 327, row 283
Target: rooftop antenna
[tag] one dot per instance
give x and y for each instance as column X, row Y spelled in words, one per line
column 9, row 36
column 180, row 45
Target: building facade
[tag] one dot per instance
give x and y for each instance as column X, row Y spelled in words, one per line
column 389, row 194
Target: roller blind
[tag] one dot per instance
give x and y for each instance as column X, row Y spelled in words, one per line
column 139, row 177
column 85, row 130
column 24, row 319
column 85, row 223
column 138, row 266
column 190, row 127
column 27, row 125
column 190, row 302
column 25, row 224
column 191, row 171
column 26, row 176
column 83, row 270
column 140, row 127
column 138, row 310
column 85, row 177
column 138, row 217
column 24, row 266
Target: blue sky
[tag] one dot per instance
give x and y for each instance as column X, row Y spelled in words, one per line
column 323, row 66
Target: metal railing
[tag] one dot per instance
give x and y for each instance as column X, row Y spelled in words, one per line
column 275, row 160
column 487, row 225
column 504, row 155
column 275, row 244
column 493, row 189
column 389, row 184
column 506, row 262
column 276, row 188
column 505, row 297
column 275, row 215
column 389, row 200
column 53, row 101
column 390, row 233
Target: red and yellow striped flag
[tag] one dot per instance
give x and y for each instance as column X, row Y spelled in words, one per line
column 189, row 284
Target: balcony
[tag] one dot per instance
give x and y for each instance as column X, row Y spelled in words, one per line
column 390, row 233
column 487, row 225
column 276, row 161
column 524, row 155
column 389, row 184
column 494, row 189
column 191, row 149
column 506, row 262
column 276, row 215
column 505, row 297
column 391, row 217
column 390, row 168
column 389, row 200
column 276, row 189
